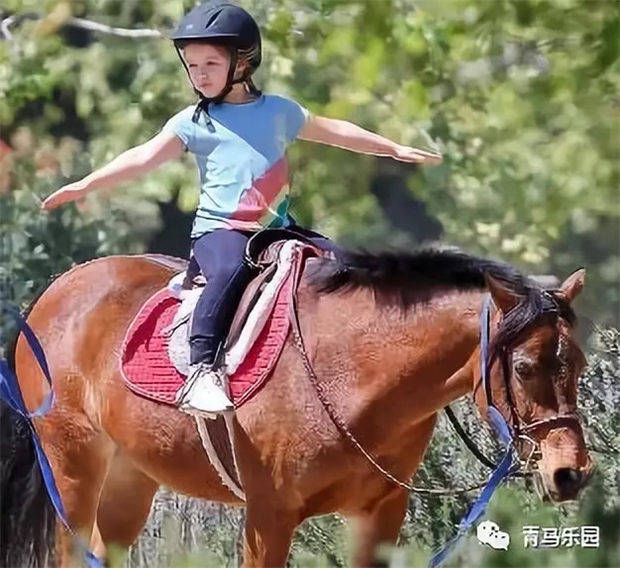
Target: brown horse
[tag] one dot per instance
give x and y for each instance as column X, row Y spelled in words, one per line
column 392, row 337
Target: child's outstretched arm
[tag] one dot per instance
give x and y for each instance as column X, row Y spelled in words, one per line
column 351, row 137
column 130, row 164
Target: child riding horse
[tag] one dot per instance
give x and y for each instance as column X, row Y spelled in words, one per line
column 238, row 136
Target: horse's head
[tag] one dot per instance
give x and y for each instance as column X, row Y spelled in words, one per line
column 534, row 364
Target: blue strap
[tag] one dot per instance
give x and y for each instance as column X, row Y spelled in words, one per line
column 500, row 426
column 12, row 387
column 476, row 510
column 11, row 394
column 503, row 431
column 495, row 417
column 485, row 326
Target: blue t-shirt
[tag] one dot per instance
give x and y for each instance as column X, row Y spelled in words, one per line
column 243, row 168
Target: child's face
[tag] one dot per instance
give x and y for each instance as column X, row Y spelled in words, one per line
column 208, row 67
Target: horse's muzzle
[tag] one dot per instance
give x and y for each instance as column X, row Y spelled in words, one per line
column 564, row 483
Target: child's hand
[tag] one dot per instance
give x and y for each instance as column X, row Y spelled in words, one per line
column 407, row 154
column 70, row 192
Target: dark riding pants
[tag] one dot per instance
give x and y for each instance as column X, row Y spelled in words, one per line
column 219, row 255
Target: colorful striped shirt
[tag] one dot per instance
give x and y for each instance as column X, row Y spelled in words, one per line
column 242, row 165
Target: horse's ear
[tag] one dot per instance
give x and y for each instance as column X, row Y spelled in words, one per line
column 504, row 298
column 573, row 285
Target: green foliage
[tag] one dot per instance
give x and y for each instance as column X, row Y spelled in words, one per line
column 520, row 96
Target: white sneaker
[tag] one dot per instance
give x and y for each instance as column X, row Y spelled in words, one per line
column 204, row 392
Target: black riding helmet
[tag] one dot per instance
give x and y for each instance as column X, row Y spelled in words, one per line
column 222, row 23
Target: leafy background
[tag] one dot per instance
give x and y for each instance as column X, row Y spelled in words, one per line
column 521, row 96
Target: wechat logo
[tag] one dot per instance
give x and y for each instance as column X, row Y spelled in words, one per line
column 488, row 533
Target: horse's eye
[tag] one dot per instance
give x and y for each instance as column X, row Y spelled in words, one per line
column 523, row 369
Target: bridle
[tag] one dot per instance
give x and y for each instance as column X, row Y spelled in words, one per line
column 518, row 428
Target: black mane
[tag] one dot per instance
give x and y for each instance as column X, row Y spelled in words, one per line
column 407, row 278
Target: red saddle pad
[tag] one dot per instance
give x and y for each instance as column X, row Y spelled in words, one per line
column 147, row 370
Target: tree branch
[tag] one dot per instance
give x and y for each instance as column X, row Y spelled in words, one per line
column 13, row 20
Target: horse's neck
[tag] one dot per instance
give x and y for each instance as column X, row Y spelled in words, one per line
column 414, row 363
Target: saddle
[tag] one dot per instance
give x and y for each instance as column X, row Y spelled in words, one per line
column 155, row 352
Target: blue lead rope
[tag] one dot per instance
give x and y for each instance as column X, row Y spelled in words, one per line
column 11, row 394
column 503, row 431
column 476, row 510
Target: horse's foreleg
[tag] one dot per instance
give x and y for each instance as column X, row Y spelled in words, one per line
column 125, row 503
column 268, row 536
column 381, row 523
column 377, row 527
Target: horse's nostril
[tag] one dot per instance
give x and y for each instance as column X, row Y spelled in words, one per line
column 567, row 478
